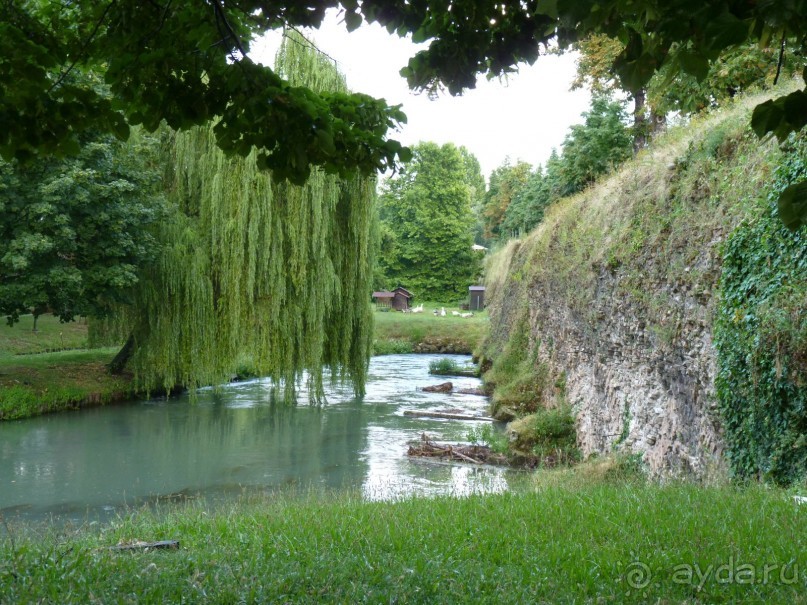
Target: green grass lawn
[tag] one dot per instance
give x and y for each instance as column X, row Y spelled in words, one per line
column 51, row 335
column 602, row 543
column 397, row 332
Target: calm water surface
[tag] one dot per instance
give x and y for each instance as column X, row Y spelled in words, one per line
column 95, row 463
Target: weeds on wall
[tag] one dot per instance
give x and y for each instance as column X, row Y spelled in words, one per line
column 761, row 338
column 517, row 376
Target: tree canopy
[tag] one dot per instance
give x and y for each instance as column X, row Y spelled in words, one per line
column 427, row 223
column 75, row 233
column 518, row 195
column 188, row 63
column 250, row 265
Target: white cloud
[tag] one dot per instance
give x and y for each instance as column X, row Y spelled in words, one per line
column 523, row 118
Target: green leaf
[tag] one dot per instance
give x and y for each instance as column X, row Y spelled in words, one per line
column 547, row 7
column 796, row 109
column 420, row 35
column 694, row 64
column 793, row 206
column 352, row 20
column 724, row 31
column 767, row 117
column 326, row 141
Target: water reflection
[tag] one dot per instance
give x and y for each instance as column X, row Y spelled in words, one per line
column 237, row 438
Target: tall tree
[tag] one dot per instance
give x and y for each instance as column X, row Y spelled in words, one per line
column 427, row 208
column 257, row 265
column 504, row 186
column 476, row 184
column 527, row 208
column 595, row 70
column 596, row 146
column 75, row 232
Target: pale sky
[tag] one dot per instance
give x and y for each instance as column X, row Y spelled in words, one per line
column 523, row 118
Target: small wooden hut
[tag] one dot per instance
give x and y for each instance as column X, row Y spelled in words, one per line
column 383, row 299
column 477, row 294
column 401, row 298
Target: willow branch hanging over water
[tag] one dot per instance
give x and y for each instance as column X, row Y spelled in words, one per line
column 255, row 267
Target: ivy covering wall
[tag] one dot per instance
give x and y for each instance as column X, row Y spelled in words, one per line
column 761, row 339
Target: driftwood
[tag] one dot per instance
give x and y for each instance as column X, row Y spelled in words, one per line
column 138, row 545
column 472, row 373
column 445, row 387
column 475, row 454
column 446, row 415
column 475, row 391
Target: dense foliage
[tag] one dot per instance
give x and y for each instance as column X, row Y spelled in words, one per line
column 75, row 232
column 735, row 70
column 761, row 339
column 428, row 224
column 505, row 184
column 188, row 63
column 253, row 265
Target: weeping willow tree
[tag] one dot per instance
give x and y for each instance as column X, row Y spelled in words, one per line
column 251, row 266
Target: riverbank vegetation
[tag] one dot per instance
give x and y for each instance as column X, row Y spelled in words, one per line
column 51, row 370
column 610, row 540
column 449, row 367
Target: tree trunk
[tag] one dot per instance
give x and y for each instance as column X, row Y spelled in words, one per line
column 121, row 359
column 658, row 123
column 639, row 120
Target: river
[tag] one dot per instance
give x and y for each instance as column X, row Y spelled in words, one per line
column 99, row 462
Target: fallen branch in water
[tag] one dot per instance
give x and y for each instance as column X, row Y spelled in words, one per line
column 447, row 415
column 475, row 454
column 475, row 391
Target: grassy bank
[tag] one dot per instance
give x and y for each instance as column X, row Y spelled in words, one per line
column 602, row 543
column 50, row 382
column 51, row 370
column 397, row 332
column 644, row 283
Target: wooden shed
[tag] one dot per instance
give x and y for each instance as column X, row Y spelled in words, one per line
column 383, row 299
column 401, row 298
column 477, row 298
